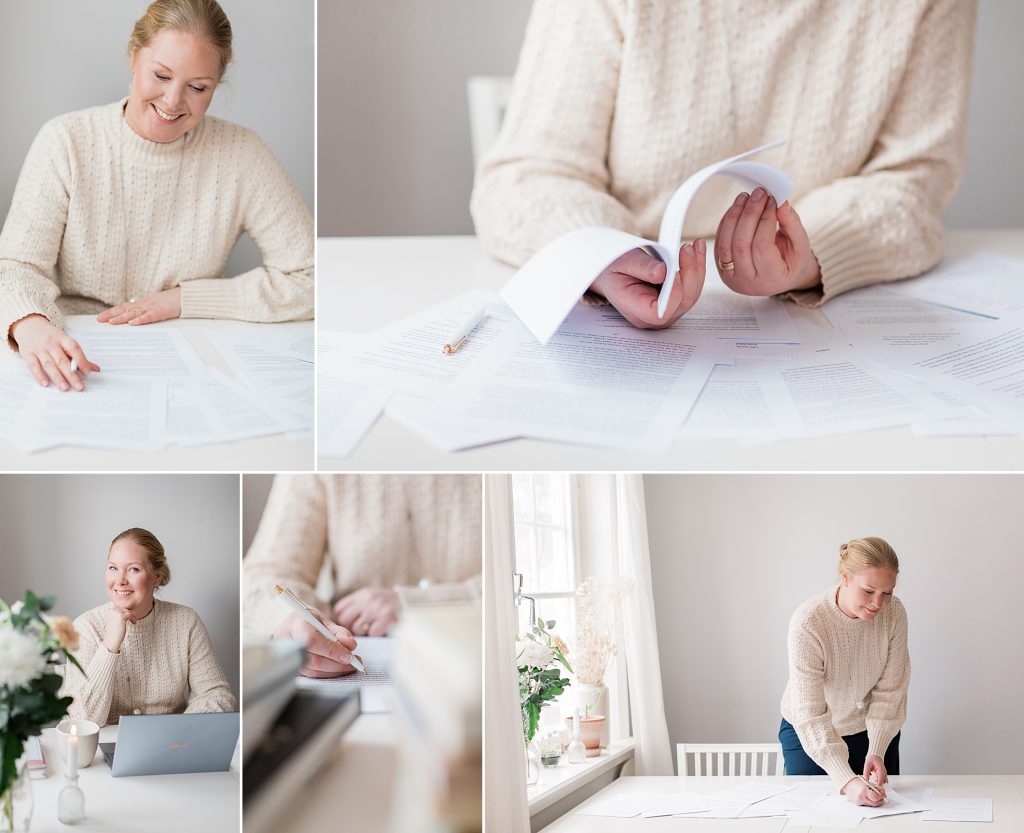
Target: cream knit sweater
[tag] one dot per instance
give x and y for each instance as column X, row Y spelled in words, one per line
column 101, row 215
column 373, row 530
column 162, row 657
column 845, row 676
column 616, row 102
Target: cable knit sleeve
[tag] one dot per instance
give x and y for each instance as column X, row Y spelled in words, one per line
column 289, row 547
column 31, row 237
column 208, row 688
column 887, row 710
column 812, row 717
column 279, row 222
column 547, row 174
column 93, row 692
column 886, row 223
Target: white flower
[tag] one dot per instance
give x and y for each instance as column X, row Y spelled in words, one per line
column 21, row 661
column 534, row 654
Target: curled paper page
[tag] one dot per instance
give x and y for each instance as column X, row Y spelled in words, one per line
column 544, row 291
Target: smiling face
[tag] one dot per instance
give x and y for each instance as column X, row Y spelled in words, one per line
column 866, row 593
column 173, row 79
column 130, row 578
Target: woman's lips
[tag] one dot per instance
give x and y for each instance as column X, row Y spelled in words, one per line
column 165, row 116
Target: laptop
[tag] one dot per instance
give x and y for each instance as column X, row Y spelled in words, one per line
column 170, row 744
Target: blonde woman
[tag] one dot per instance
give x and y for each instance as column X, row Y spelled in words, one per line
column 131, row 209
column 849, row 669
column 140, row 654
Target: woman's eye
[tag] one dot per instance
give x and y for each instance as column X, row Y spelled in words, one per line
column 162, row 77
column 199, row 89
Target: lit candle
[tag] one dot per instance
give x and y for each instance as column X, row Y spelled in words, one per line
column 73, row 752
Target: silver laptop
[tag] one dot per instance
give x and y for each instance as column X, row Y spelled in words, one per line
column 168, row 744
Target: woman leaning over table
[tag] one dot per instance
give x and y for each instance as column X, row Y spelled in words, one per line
column 615, row 103
column 849, row 669
column 141, row 654
column 131, row 209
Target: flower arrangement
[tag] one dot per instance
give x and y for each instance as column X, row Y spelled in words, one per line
column 30, row 641
column 539, row 654
column 595, row 626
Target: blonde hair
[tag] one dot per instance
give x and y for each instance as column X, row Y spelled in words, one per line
column 864, row 553
column 203, row 18
column 154, row 550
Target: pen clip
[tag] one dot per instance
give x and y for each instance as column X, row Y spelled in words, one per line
column 453, row 348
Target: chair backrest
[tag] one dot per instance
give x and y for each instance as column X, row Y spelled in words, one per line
column 488, row 99
column 730, row 758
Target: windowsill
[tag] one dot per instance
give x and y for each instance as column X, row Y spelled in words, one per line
column 556, row 782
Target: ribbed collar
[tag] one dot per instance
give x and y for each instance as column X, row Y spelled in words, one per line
column 134, row 147
column 840, row 618
column 148, row 624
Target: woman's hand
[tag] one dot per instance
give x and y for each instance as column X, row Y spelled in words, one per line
column 323, row 657
column 768, row 247
column 48, row 351
column 632, row 282
column 875, row 765
column 115, row 627
column 158, row 307
column 857, row 791
column 369, row 611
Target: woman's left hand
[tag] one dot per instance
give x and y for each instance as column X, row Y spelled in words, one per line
column 767, row 246
column 875, row 765
column 158, row 307
column 369, row 611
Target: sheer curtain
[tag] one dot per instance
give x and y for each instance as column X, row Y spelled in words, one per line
column 504, row 764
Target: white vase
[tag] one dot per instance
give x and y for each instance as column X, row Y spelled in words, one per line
column 593, row 699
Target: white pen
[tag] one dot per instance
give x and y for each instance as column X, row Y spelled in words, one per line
column 307, row 613
column 872, row 787
column 460, row 336
column 74, row 364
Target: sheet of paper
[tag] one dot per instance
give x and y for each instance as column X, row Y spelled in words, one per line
column 676, row 805
column 374, row 685
column 143, row 351
column 345, row 412
column 117, row 411
column 801, row 797
column 544, row 291
column 415, row 413
column 838, row 393
column 895, row 804
column 834, row 811
column 958, row 809
column 622, row 805
column 762, row 350
column 406, row 356
column 626, row 389
column 983, row 283
column 17, row 387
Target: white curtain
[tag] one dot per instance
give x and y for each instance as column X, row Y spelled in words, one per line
column 631, row 558
column 506, row 807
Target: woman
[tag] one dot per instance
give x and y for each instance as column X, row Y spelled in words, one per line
column 135, row 206
column 846, row 699
column 616, row 103
column 388, row 539
column 141, row 654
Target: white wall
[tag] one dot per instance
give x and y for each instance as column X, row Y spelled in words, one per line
column 394, row 154
column 57, row 528
column 56, row 57
column 733, row 555
column 255, row 490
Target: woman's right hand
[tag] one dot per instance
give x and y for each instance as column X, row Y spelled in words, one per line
column 115, row 627
column 857, row 791
column 323, row 657
column 633, row 282
column 48, row 351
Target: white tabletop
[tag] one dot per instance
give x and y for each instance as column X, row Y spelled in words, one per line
column 275, row 453
column 1006, row 792
column 365, row 283
column 206, row 802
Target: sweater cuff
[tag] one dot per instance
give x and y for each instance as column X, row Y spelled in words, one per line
column 14, row 308
column 878, row 742
column 837, row 768
column 102, row 667
column 210, row 298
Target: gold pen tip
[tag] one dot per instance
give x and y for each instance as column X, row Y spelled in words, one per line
column 278, row 588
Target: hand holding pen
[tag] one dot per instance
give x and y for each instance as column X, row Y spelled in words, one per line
column 329, row 647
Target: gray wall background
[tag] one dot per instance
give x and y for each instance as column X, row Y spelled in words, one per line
column 393, row 126
column 57, row 531
column 733, row 556
column 56, row 57
column 255, row 490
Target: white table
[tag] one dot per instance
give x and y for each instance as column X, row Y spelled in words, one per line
column 365, row 283
column 1006, row 792
column 274, row 453
column 206, row 802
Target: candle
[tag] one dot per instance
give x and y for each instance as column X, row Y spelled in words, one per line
column 73, row 752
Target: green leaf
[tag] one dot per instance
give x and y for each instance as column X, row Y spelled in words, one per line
column 77, row 665
column 551, row 624
column 31, row 601
column 47, row 602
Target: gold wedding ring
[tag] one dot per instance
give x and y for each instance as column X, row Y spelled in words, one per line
column 726, row 265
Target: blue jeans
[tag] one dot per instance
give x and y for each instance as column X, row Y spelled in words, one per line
column 799, row 762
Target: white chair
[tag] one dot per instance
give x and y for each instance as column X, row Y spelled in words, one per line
column 488, row 99
column 731, row 758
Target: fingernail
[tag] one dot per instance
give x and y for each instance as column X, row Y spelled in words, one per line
column 741, row 198
column 701, row 247
column 345, row 658
column 758, row 193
